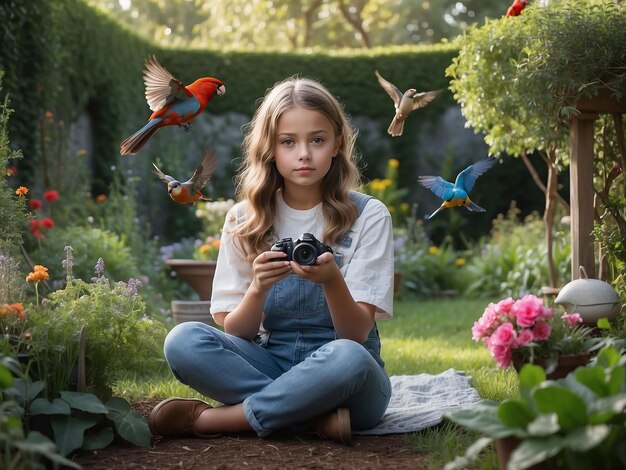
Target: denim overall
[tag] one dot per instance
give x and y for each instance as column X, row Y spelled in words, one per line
column 296, row 370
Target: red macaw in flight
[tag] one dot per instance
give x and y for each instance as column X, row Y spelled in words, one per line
column 172, row 102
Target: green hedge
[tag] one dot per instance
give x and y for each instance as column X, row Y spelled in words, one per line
column 65, row 57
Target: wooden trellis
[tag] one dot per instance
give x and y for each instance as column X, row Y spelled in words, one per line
column 581, row 177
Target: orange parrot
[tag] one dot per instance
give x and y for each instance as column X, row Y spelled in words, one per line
column 516, row 7
column 190, row 191
column 172, row 102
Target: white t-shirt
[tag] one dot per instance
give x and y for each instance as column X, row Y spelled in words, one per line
column 367, row 262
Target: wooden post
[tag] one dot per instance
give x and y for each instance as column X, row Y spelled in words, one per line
column 581, row 193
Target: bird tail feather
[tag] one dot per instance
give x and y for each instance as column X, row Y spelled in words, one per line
column 433, row 214
column 135, row 142
column 474, row 207
column 396, row 128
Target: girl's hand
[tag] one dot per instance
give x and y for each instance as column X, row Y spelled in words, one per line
column 268, row 268
column 324, row 270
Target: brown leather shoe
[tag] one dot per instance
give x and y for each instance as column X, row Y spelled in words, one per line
column 176, row 417
column 335, row 425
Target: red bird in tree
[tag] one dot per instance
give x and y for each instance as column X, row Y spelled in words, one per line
column 516, row 7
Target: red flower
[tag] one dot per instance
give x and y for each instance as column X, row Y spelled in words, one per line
column 34, row 225
column 52, row 195
column 35, row 204
column 47, row 222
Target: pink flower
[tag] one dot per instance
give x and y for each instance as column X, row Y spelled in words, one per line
column 506, row 305
column 572, row 318
column 527, row 310
column 504, row 335
column 525, row 336
column 502, row 354
column 542, row 330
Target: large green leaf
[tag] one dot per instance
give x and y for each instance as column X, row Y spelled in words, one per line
column 594, row 378
column 6, row 378
column 534, row 451
column 69, row 431
column 84, row 402
column 461, row 462
column 515, row 414
column 483, row 418
column 608, row 357
column 544, row 425
column 584, row 438
column 530, row 376
column 98, row 439
column 119, row 405
column 41, row 406
column 134, row 428
column 612, row 406
column 569, row 407
column 37, row 443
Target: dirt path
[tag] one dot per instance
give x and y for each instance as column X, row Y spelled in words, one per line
column 247, row 451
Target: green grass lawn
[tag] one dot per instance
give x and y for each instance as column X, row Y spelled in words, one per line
column 424, row 336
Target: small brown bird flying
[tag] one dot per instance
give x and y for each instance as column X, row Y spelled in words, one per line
column 191, row 190
column 405, row 103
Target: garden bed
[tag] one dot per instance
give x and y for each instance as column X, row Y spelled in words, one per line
column 240, row 451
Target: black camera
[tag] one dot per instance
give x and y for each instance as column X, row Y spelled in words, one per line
column 304, row 250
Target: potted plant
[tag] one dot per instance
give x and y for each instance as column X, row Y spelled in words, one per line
column 575, row 422
column 525, row 330
column 194, row 261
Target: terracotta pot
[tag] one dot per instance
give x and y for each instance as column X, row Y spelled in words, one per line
column 183, row 311
column 397, row 281
column 565, row 364
column 198, row 274
column 505, row 447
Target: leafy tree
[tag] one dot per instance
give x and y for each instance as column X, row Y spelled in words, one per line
column 518, row 80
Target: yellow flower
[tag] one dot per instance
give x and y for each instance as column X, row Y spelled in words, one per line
column 386, row 182
column 459, row 261
column 204, row 248
column 404, row 207
column 21, row 191
column 391, row 209
column 433, row 250
column 40, row 273
column 393, row 163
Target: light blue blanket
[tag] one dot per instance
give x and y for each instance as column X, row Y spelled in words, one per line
column 420, row 401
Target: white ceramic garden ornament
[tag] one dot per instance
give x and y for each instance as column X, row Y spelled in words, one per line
column 591, row 298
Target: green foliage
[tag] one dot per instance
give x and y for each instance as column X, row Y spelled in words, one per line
column 518, row 78
column 119, row 337
column 577, row 420
column 12, row 207
column 21, row 450
column 89, row 244
column 511, row 261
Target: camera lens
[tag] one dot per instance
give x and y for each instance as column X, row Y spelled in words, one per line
column 305, row 253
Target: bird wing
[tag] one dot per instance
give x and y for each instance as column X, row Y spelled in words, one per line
column 390, row 88
column 420, row 100
column 467, row 178
column 204, row 171
column 165, row 178
column 437, row 185
column 162, row 87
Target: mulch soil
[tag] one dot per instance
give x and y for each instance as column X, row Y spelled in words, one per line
column 284, row 451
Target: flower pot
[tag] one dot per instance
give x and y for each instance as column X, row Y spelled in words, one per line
column 505, row 447
column 198, row 274
column 183, row 311
column 397, row 281
column 565, row 364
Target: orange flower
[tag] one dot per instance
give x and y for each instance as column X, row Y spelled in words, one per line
column 21, row 191
column 39, row 273
column 101, row 198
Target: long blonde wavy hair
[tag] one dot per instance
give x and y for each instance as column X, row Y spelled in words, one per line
column 258, row 179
